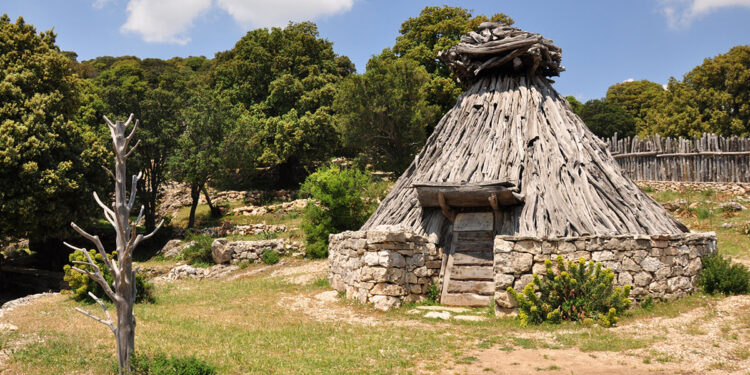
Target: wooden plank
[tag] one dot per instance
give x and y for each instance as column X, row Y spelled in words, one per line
column 465, row 299
column 467, row 194
column 447, row 272
column 472, row 273
column 474, row 222
column 473, row 258
column 471, row 286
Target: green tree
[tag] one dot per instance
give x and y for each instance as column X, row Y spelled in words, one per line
column 285, row 79
column 383, row 113
column 155, row 91
column 606, row 119
column 48, row 160
column 713, row 97
column 436, row 29
column 199, row 154
column 639, row 98
column 575, row 105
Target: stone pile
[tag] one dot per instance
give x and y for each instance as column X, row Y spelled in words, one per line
column 282, row 208
column 185, row 271
column 174, row 196
column 385, row 266
column 664, row 267
column 256, row 229
column 731, row 188
column 223, row 251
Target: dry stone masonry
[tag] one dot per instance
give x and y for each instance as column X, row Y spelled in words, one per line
column 223, row 251
column 660, row 266
column 384, row 266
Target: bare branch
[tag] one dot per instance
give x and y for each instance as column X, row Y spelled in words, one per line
column 99, row 246
column 109, row 123
column 109, row 172
column 132, row 132
column 106, row 209
column 130, row 118
column 73, row 247
column 98, row 276
column 140, row 217
column 133, row 186
column 100, row 320
column 99, row 280
column 142, row 237
column 132, row 149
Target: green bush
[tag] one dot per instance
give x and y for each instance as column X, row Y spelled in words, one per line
column 270, row 257
column 702, row 213
column 199, row 254
column 344, row 201
column 576, row 291
column 720, row 275
column 433, row 293
column 159, row 364
column 81, row 284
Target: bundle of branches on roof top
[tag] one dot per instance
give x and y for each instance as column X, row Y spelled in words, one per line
column 499, row 47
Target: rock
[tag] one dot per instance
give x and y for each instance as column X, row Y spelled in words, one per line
column 642, row 279
column 220, row 252
column 651, row 264
column 328, row 296
column 726, row 225
column 171, row 249
column 385, row 303
column 470, row 318
column 731, row 207
column 444, row 315
column 444, row 308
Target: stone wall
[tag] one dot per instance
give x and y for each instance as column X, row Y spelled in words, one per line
column 661, row 266
column 384, row 266
column 223, row 251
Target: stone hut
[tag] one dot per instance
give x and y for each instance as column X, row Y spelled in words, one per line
column 510, row 177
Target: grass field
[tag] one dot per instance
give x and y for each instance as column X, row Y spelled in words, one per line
column 258, row 323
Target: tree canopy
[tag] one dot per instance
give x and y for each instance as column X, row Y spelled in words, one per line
column 48, row 160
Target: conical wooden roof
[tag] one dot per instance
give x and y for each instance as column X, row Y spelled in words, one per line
column 512, row 126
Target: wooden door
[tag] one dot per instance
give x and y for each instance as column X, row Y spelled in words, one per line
column 468, row 275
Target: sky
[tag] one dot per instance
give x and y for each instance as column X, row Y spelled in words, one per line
column 603, row 42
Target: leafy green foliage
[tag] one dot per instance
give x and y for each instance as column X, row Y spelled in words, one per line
column 640, row 99
column 576, row 291
column 199, row 254
column 383, row 114
column 270, row 257
column 285, row 80
column 48, row 160
column 436, row 29
column 343, row 203
column 720, row 275
column 605, row 119
column 432, row 293
column 160, row 364
column 82, row 284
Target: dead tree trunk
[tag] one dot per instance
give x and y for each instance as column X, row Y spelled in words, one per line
column 195, row 194
column 215, row 211
column 123, row 292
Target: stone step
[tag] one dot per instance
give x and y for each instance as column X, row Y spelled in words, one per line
column 465, row 299
column 464, row 272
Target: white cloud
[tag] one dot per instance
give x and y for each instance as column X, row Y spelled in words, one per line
column 267, row 13
column 99, row 4
column 681, row 13
column 163, row 21
column 628, row 80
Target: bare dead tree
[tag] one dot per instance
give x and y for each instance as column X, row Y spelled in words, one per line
column 123, row 292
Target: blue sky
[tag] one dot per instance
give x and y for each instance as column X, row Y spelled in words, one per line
column 603, row 42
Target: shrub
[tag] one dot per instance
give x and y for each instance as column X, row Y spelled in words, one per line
column 270, row 257
column 343, row 203
column 702, row 213
column 433, row 293
column 199, row 254
column 720, row 275
column 159, row 364
column 82, row 284
column 576, row 291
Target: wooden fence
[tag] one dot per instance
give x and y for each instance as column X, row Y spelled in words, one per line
column 708, row 158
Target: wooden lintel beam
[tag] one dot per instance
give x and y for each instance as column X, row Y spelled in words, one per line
column 447, row 212
column 493, row 202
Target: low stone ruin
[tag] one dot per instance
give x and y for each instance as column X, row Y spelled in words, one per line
column 223, row 251
column 185, row 271
column 283, row 208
